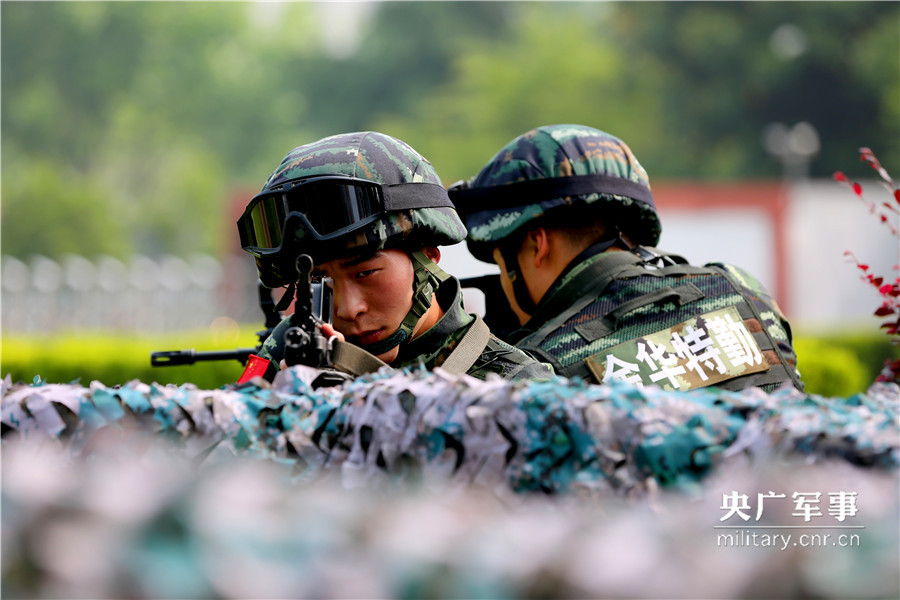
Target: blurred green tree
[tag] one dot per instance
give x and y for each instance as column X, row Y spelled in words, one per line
column 405, row 51
column 135, row 122
column 553, row 67
column 730, row 69
column 156, row 105
column 692, row 86
column 50, row 210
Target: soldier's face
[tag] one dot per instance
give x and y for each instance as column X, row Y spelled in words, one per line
column 372, row 295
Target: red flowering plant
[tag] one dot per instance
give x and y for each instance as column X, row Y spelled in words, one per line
column 888, row 289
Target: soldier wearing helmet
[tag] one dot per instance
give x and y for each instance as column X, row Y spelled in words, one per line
column 371, row 212
column 567, row 213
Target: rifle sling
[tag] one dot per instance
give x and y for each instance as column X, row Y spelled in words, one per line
column 469, row 348
column 354, row 360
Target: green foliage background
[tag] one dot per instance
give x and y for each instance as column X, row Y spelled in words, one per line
column 127, row 126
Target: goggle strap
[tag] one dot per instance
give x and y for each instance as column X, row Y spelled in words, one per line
column 521, row 193
column 404, row 196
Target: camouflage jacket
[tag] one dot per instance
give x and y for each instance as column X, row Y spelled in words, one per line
column 434, row 346
column 615, row 315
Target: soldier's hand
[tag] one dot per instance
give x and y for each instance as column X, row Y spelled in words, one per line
column 329, row 331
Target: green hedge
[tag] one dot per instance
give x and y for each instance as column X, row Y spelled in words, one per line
column 842, row 365
column 114, row 360
column 829, row 365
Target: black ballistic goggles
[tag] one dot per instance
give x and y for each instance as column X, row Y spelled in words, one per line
column 327, row 207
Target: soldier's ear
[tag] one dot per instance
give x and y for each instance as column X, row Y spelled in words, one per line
column 539, row 246
column 432, row 253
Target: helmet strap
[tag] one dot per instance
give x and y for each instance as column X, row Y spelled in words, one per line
column 510, row 253
column 427, row 277
column 287, row 297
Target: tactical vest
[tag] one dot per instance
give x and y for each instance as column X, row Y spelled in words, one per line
column 648, row 317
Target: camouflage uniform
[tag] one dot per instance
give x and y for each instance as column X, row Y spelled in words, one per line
column 375, row 157
column 643, row 315
column 576, row 326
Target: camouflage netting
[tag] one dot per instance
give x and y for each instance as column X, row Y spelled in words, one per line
column 431, row 485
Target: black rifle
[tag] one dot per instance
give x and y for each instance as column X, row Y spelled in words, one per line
column 304, row 343
column 170, row 358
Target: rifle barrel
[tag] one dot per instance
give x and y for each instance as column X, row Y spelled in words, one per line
column 169, row 358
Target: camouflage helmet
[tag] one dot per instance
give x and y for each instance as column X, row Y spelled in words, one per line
column 366, row 190
column 549, row 168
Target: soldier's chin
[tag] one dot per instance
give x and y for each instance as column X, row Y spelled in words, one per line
column 365, row 341
column 389, row 356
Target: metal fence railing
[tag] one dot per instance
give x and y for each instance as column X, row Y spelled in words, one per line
column 140, row 295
